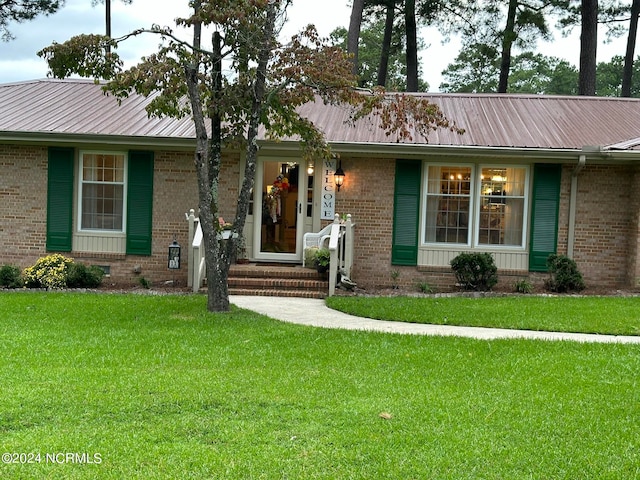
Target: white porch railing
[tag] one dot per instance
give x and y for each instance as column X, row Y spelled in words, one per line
column 341, row 246
column 340, row 236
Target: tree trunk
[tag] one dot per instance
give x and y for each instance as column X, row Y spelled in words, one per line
column 353, row 36
column 508, row 38
column 383, row 68
column 588, row 47
column 219, row 253
column 107, row 12
column 412, row 45
column 259, row 92
column 207, row 162
column 627, row 73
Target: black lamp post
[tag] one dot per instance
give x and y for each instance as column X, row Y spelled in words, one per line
column 174, row 256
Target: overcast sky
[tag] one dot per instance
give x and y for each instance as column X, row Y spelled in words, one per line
column 18, row 59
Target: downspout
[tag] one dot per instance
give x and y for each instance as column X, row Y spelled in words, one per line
column 573, row 200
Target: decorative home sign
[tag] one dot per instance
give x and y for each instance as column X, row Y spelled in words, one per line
column 328, row 190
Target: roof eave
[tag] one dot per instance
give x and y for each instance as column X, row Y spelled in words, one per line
column 419, row 151
column 396, row 150
column 55, row 138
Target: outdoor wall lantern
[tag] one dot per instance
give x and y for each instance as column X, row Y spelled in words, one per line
column 174, row 256
column 339, row 175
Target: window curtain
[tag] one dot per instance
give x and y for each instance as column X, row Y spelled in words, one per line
column 433, row 200
column 514, row 206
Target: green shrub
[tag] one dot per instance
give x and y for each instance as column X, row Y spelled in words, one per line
column 424, row 287
column 395, row 274
column 10, row 276
column 322, row 257
column 523, row 286
column 310, row 257
column 564, row 275
column 81, row 276
column 475, row 271
column 48, row 272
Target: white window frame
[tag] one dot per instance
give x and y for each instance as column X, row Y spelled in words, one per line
column 81, row 183
column 525, row 208
column 474, row 208
column 425, row 201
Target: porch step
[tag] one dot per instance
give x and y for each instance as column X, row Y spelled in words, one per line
column 276, row 280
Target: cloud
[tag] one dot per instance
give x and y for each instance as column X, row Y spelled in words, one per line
column 19, row 61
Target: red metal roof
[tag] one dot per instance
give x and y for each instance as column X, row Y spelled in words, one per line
column 78, row 107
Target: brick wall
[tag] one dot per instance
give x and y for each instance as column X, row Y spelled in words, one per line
column 633, row 267
column 367, row 194
column 23, row 215
column 607, row 226
column 607, row 235
column 175, row 192
column 606, row 212
column 23, row 204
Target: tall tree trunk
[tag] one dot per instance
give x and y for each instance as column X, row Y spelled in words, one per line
column 207, row 161
column 383, row 68
column 412, row 45
column 353, row 36
column 107, row 14
column 508, row 38
column 627, row 73
column 217, row 254
column 588, row 47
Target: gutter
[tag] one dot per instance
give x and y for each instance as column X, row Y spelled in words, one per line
column 573, row 199
column 76, row 139
column 421, row 151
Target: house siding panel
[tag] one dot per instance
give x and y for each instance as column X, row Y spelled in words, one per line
column 517, row 261
column 99, row 244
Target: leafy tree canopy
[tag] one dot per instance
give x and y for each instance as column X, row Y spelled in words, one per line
column 369, row 52
column 477, row 68
column 24, row 10
column 266, row 84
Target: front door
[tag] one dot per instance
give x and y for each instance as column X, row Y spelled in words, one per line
column 281, row 207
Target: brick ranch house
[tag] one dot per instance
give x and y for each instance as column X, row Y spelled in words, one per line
column 531, row 175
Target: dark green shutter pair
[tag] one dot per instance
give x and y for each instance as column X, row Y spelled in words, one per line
column 544, row 222
column 60, row 201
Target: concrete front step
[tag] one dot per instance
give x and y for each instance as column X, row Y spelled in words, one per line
column 276, row 293
column 276, row 280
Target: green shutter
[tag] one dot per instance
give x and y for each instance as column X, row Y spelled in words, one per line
column 406, row 211
column 544, row 215
column 60, row 199
column 139, row 203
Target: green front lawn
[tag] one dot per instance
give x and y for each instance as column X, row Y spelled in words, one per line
column 588, row 314
column 156, row 388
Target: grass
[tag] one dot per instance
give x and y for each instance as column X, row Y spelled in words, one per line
column 588, row 314
column 160, row 389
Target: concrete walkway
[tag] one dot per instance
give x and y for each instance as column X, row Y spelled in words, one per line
column 313, row 312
